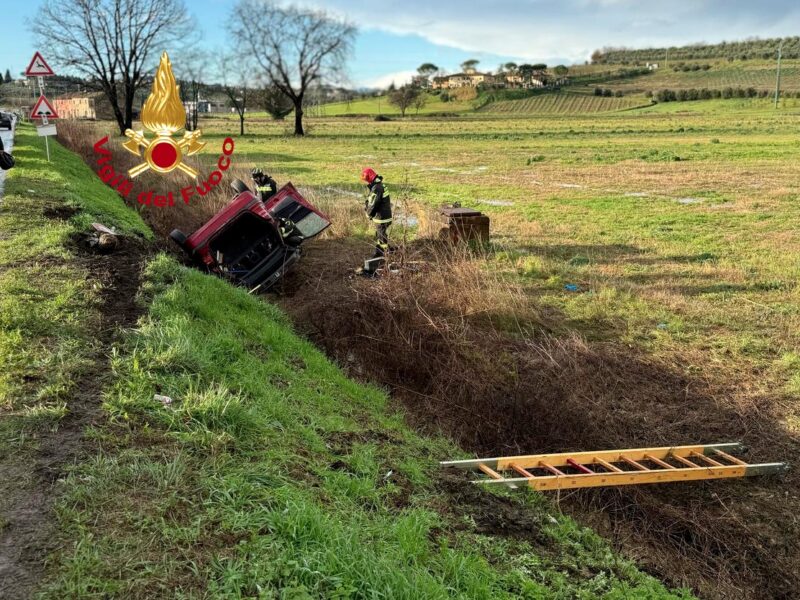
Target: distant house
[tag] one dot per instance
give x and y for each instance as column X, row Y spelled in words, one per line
column 439, row 83
column 421, row 81
column 652, row 66
column 83, row 105
column 206, row 106
column 460, row 80
column 514, row 80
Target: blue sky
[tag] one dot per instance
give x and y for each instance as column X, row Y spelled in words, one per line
column 396, row 36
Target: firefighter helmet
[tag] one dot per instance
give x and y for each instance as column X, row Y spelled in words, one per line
column 368, row 175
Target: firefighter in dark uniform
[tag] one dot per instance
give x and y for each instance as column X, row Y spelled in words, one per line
column 266, row 188
column 379, row 209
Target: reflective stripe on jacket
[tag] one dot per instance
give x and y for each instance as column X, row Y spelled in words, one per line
column 379, row 203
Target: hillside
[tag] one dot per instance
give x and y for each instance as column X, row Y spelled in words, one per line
column 563, row 103
column 736, row 50
column 756, row 74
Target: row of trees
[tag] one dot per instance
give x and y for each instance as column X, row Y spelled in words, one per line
column 114, row 44
column 428, row 70
column 525, row 70
column 707, row 94
column 7, row 77
column 750, row 49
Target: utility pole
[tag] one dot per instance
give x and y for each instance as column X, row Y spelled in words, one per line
column 666, row 59
column 778, row 76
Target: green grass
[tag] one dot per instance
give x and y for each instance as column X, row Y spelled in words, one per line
column 381, row 105
column 47, row 301
column 273, row 475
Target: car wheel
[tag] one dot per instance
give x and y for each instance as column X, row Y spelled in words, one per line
column 239, row 186
column 178, row 237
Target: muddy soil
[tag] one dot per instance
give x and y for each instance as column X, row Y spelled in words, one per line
column 28, row 481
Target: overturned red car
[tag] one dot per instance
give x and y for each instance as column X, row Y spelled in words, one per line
column 254, row 243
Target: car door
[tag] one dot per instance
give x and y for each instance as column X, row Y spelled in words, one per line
column 289, row 204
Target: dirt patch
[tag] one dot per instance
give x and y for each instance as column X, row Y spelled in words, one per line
column 493, row 515
column 456, row 369
column 59, row 212
column 27, row 481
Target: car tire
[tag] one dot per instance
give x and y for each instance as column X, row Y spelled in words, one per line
column 239, row 186
column 177, row 236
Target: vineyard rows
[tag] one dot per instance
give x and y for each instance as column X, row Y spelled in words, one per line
column 563, row 104
column 761, row 77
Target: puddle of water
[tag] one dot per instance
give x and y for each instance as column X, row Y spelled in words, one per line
column 406, row 220
column 496, row 202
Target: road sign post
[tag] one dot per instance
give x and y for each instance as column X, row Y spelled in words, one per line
column 43, row 110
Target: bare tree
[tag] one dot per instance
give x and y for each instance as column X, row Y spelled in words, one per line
column 294, row 47
column 112, row 42
column 275, row 102
column 235, row 73
column 420, row 101
column 192, row 70
column 404, row 97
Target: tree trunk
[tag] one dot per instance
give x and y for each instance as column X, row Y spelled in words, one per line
column 241, row 123
column 129, row 93
column 111, row 95
column 298, row 117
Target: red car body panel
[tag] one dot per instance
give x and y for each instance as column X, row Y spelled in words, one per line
column 250, row 245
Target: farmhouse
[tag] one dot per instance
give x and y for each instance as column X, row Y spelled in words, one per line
column 83, row 105
column 460, row 80
column 475, row 79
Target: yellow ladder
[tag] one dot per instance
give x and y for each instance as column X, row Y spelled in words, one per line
column 572, row 470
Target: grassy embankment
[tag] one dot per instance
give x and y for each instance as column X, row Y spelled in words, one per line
column 48, row 302
column 271, row 474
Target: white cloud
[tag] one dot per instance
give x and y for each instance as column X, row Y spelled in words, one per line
column 384, row 81
column 570, row 29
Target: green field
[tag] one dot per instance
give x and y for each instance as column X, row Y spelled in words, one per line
column 269, row 475
column 382, row 106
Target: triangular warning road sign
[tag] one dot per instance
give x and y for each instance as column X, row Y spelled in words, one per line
column 38, row 67
column 43, row 108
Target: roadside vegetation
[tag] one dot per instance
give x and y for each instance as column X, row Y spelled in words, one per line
column 52, row 334
column 270, row 474
column 47, row 301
